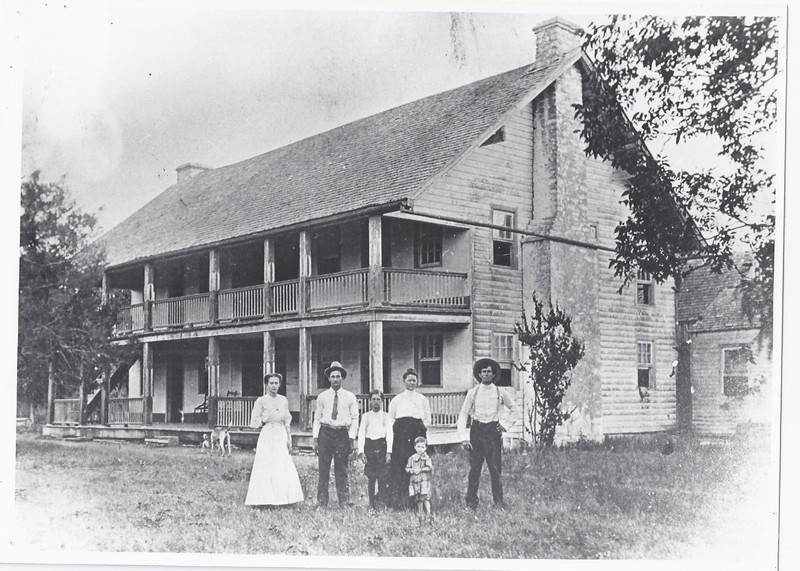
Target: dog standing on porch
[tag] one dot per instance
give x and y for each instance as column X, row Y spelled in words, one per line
column 219, row 437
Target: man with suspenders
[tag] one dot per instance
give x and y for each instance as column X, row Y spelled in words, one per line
column 484, row 404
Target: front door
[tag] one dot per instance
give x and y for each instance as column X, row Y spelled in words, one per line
column 174, row 388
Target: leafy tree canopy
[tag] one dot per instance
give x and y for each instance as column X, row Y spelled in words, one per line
column 711, row 79
column 63, row 321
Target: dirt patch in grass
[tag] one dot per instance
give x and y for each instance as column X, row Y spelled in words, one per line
column 593, row 502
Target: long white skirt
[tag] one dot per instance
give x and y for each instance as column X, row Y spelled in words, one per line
column 274, row 480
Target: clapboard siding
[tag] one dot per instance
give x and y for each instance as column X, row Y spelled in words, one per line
column 498, row 175
column 623, row 323
column 712, row 411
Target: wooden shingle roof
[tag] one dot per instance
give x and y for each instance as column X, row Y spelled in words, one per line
column 713, row 302
column 379, row 160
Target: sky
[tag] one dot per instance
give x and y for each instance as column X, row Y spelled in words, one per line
column 115, row 97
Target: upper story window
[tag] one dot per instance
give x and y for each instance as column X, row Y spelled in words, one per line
column 503, row 353
column 429, row 245
column 644, row 365
column 644, row 288
column 735, row 371
column 429, row 359
column 503, row 240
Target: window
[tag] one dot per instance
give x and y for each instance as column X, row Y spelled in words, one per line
column 503, row 240
column 503, row 353
column 327, row 250
column 328, row 349
column 735, row 377
column 644, row 288
column 429, row 357
column 644, row 365
column 497, row 137
column 429, row 245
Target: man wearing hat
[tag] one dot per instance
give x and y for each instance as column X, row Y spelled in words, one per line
column 484, row 404
column 335, row 429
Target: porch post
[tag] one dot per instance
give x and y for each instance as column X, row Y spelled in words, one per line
column 269, row 276
column 269, row 354
column 104, row 390
column 375, row 355
column 104, row 293
column 51, row 393
column 148, row 295
column 147, row 382
column 305, row 271
column 213, row 379
column 304, row 376
column 375, row 261
column 82, row 396
column 213, row 286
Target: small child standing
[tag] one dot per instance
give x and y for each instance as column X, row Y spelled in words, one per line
column 374, row 445
column 421, row 469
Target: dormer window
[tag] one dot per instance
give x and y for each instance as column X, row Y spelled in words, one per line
column 497, row 137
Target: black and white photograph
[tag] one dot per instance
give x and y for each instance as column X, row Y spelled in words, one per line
column 370, row 285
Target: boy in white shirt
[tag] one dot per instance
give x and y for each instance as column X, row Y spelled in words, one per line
column 374, row 448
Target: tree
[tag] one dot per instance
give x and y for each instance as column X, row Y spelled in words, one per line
column 64, row 324
column 553, row 353
column 706, row 78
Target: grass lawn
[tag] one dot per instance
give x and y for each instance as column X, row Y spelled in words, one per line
column 623, row 501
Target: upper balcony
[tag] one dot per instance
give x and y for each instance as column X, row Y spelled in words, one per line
column 386, row 263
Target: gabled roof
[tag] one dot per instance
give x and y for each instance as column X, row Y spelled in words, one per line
column 714, row 301
column 379, row 160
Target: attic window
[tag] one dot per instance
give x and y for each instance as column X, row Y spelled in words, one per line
column 498, row 137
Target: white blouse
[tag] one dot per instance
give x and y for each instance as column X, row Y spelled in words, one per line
column 271, row 409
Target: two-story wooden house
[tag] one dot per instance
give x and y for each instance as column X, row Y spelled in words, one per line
column 411, row 238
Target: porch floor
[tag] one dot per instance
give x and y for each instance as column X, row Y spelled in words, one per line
column 193, row 433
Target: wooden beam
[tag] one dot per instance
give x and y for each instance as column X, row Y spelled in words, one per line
column 213, row 285
column 376, row 355
column 51, row 392
column 147, row 382
column 375, row 233
column 269, row 274
column 269, row 354
column 148, row 295
column 304, row 374
column 305, row 271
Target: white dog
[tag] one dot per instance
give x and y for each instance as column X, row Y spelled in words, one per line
column 219, row 437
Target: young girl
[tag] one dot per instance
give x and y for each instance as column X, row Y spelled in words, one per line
column 421, row 468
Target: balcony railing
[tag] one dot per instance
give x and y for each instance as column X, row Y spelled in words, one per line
column 444, row 407
column 180, row 311
column 400, row 288
column 283, row 297
column 425, row 288
column 233, row 411
column 130, row 319
column 126, row 410
column 66, row 411
column 343, row 289
column 241, row 303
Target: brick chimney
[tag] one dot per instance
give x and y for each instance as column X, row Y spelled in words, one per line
column 556, row 36
column 188, row 170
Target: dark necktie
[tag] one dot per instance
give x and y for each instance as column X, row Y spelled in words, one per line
column 335, row 411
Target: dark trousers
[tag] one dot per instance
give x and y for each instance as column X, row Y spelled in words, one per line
column 333, row 444
column 487, row 444
column 376, row 470
column 406, row 431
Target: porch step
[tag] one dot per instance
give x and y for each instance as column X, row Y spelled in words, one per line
column 162, row 441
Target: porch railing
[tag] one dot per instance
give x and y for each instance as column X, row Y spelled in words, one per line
column 235, row 411
column 415, row 287
column 177, row 311
column 283, row 296
column 126, row 410
column 444, row 407
column 241, row 303
column 343, row 289
column 130, row 319
column 67, row 411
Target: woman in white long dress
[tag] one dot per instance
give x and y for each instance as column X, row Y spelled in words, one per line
column 274, row 480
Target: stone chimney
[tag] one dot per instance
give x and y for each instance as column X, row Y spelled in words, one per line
column 556, row 36
column 188, row 170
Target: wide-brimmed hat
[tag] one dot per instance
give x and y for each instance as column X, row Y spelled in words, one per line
column 336, row 366
column 481, row 364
